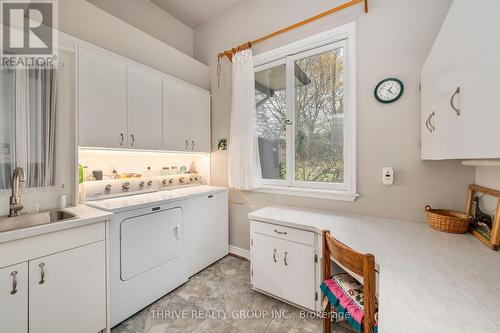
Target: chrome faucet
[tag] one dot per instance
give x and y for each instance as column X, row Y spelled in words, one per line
column 15, row 205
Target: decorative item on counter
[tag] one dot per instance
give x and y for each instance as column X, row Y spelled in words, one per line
column 175, row 170
column 183, row 169
column 479, row 229
column 115, row 174
column 481, row 220
column 62, row 201
column 165, row 171
column 222, row 144
column 192, row 167
column 447, row 220
column 80, row 173
column 97, row 174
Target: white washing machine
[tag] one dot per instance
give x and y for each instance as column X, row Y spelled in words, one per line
column 146, row 235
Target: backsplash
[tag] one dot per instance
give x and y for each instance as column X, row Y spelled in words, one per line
column 131, row 164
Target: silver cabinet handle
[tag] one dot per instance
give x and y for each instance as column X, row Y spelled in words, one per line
column 284, row 259
column 14, row 283
column 274, row 255
column 42, row 273
column 428, row 123
column 192, row 145
column 280, row 232
column 452, row 101
column 187, row 144
column 123, row 139
column 133, row 139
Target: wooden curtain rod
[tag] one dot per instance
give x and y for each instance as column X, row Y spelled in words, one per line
column 247, row 45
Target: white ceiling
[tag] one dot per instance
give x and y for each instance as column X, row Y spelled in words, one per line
column 195, row 12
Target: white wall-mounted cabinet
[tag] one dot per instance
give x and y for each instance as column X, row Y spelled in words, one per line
column 102, row 109
column 459, row 85
column 144, row 109
column 56, row 282
column 125, row 105
column 186, row 117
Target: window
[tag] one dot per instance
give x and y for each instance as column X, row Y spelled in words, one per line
column 306, row 115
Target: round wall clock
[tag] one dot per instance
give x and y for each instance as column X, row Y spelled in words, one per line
column 389, row 90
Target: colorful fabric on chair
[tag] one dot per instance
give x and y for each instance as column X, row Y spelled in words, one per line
column 345, row 293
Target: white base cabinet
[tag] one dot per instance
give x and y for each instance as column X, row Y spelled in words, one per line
column 14, row 298
column 58, row 284
column 67, row 292
column 284, row 263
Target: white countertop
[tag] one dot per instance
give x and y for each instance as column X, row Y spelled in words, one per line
column 430, row 281
column 84, row 215
column 122, row 204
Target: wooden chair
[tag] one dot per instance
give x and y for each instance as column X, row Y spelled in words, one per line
column 360, row 264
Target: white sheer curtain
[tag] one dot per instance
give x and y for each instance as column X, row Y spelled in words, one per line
column 243, row 150
column 30, row 110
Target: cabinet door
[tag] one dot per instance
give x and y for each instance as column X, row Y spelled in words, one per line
column 298, row 273
column 267, row 264
column 285, row 269
column 102, row 100
column 199, row 115
column 68, row 291
column 207, row 230
column 14, row 298
column 144, row 109
column 175, row 115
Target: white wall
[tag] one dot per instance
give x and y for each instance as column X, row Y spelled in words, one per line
column 393, row 39
column 83, row 20
column 153, row 20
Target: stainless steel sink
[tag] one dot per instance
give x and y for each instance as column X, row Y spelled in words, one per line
column 32, row 220
column 59, row 215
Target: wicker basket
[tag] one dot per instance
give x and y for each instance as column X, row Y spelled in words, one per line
column 447, row 220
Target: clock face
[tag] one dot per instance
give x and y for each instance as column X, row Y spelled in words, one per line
column 389, row 90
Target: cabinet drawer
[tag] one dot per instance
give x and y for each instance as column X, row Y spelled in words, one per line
column 291, row 234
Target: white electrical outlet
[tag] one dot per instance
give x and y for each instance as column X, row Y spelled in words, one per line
column 388, row 176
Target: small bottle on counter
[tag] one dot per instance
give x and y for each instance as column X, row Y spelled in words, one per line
column 62, row 201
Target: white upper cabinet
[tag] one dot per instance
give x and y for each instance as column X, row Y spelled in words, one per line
column 199, row 113
column 125, row 105
column 144, row 109
column 186, row 117
column 102, row 100
column 175, row 115
column 459, row 105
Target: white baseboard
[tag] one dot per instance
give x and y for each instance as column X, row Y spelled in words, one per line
column 239, row 252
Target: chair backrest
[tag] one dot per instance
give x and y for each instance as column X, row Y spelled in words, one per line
column 358, row 263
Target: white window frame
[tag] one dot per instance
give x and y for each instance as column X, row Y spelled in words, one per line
column 344, row 37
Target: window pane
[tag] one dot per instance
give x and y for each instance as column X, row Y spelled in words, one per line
column 270, row 95
column 319, row 113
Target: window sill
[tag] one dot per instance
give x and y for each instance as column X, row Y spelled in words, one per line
column 308, row 193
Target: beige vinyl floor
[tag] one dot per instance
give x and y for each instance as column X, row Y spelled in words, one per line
column 220, row 299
